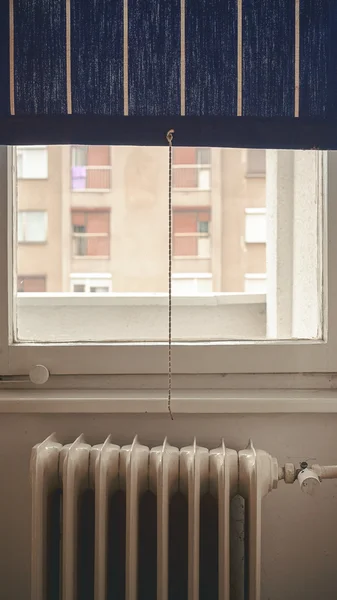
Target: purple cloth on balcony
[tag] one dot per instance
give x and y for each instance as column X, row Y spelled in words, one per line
column 78, row 177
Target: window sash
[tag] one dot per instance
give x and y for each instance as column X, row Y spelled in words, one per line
column 188, row 358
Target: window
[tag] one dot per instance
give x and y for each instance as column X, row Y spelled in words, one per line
column 91, row 232
column 191, row 284
column 31, row 283
column 32, row 226
column 91, row 283
column 255, row 283
column 255, row 226
column 192, row 169
column 90, row 169
column 288, row 328
column 256, row 163
column 32, row 162
column 191, row 232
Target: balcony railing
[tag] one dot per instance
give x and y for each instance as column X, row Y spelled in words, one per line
column 91, row 245
column 191, row 177
column 191, row 245
column 91, row 179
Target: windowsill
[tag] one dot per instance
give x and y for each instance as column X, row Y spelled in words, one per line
column 255, row 175
column 191, row 257
column 190, row 189
column 38, row 400
column 33, row 243
column 255, row 242
column 32, row 178
column 91, row 190
column 90, row 257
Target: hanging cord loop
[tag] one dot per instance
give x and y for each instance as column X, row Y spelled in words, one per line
column 169, row 137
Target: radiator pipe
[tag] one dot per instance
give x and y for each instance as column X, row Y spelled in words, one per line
column 308, row 477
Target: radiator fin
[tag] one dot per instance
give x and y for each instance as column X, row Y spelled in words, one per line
column 164, row 471
column 258, row 472
column 44, row 476
column 134, row 473
column 223, row 485
column 106, row 482
column 194, row 481
column 75, row 481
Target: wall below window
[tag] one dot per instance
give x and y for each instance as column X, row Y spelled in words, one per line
column 299, row 544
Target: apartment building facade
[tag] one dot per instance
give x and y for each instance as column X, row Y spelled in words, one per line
column 95, row 219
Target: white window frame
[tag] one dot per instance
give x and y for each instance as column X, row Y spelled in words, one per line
column 189, row 357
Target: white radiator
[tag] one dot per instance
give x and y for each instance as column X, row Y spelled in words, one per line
column 69, row 471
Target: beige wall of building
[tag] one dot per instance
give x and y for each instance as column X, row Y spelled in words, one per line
column 44, row 258
column 137, row 200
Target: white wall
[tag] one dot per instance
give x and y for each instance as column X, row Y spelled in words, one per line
column 299, row 547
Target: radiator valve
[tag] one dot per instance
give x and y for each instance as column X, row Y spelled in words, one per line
column 308, row 480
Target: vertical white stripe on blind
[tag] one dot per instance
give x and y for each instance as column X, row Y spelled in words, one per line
column 239, row 65
column 11, row 58
column 126, row 58
column 68, row 56
column 182, row 59
column 297, row 58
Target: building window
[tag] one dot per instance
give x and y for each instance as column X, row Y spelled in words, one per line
column 31, row 283
column 255, row 226
column 90, row 283
column 191, row 232
column 91, row 232
column 90, row 168
column 256, row 163
column 255, row 283
column 32, row 162
column 32, row 226
column 192, row 169
column 191, row 284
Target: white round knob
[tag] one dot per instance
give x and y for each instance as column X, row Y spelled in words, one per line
column 39, row 374
column 308, row 480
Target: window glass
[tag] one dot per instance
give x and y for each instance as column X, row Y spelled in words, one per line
column 102, row 244
column 32, row 163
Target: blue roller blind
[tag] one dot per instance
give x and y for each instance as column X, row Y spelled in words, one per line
column 256, row 73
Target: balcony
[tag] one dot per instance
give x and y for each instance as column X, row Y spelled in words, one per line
column 91, row 179
column 191, row 245
column 191, row 185
column 91, row 245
